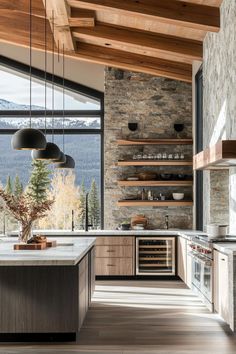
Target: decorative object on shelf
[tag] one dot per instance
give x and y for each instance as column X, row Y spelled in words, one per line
column 132, row 178
column 146, row 176
column 65, row 161
column 133, row 126
column 178, row 196
column 29, row 138
column 25, row 210
column 178, row 127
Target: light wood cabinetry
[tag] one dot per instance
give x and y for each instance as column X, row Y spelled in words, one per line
column 114, row 256
column 221, row 285
column 182, row 258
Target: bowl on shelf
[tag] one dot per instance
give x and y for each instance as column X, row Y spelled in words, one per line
column 178, row 196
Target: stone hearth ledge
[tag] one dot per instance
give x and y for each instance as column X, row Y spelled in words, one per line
column 69, row 252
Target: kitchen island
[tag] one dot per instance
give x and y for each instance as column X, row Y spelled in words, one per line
column 44, row 295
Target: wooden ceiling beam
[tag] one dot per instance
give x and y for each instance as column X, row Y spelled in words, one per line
column 23, row 6
column 134, row 62
column 82, row 18
column 199, row 17
column 141, row 42
column 60, row 11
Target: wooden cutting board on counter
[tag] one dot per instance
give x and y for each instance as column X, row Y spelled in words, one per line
column 35, row 246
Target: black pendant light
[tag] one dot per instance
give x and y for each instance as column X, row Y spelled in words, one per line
column 29, row 138
column 52, row 151
column 69, row 162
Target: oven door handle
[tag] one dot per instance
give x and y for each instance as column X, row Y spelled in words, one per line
column 206, row 262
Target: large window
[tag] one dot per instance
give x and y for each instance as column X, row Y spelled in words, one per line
column 83, row 137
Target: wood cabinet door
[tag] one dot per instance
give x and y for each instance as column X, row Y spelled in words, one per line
column 83, row 289
column 115, row 240
column 221, row 285
column 188, row 265
column 182, row 258
column 114, row 251
column 114, row 266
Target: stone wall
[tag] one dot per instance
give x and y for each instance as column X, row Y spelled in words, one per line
column 219, row 72
column 156, row 104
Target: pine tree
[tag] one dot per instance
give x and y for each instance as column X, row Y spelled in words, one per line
column 93, row 205
column 39, row 181
column 8, row 187
column 82, row 202
column 18, row 187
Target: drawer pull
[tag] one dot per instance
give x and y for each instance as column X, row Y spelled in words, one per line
column 222, row 259
column 110, row 251
column 110, row 265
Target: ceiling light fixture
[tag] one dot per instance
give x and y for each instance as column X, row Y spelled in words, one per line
column 29, row 138
column 52, row 151
column 69, row 162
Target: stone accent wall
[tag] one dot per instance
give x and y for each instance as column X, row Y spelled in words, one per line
column 219, row 72
column 156, row 104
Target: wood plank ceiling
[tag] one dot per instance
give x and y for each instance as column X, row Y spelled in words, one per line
column 159, row 37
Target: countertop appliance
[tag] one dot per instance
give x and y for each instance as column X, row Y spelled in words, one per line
column 155, row 255
column 202, row 265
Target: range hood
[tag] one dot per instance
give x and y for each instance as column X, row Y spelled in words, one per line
column 222, row 155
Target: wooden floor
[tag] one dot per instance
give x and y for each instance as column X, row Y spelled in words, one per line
column 144, row 317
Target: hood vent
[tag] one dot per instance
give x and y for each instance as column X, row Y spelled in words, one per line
column 222, row 155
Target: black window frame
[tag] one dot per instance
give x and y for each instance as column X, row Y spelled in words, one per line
column 198, row 148
column 78, row 88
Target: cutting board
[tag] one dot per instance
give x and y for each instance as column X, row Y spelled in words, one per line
column 30, row 246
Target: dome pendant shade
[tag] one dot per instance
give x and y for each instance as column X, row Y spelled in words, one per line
column 70, row 163
column 61, row 159
column 52, row 152
column 28, row 139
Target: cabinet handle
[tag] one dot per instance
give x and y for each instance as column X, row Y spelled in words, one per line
column 110, row 251
column 110, row 265
column 222, row 259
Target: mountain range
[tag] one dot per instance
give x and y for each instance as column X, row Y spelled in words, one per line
column 85, row 149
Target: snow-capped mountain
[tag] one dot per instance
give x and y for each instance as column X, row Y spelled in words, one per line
column 17, row 123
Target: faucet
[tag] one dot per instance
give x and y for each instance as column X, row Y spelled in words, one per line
column 72, row 221
column 86, row 222
column 167, row 222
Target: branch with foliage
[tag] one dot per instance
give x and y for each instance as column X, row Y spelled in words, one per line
column 24, row 208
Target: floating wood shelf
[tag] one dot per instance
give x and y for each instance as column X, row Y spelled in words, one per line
column 139, row 183
column 220, row 156
column 155, row 163
column 153, row 203
column 124, row 142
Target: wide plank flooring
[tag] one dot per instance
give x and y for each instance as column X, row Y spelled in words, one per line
column 128, row 317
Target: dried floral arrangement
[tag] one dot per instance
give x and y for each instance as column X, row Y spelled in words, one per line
column 25, row 210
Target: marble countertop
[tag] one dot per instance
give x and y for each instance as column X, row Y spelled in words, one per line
column 97, row 233
column 226, row 247
column 70, row 251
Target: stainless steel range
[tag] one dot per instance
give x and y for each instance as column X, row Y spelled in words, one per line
column 202, row 268
column 202, row 265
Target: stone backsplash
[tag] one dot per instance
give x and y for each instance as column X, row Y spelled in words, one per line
column 155, row 104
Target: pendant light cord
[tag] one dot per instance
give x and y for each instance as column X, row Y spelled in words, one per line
column 45, row 65
column 30, row 59
column 53, row 64
column 63, row 97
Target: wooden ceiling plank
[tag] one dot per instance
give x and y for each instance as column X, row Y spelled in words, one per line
column 134, row 62
column 186, row 14
column 61, row 12
column 141, row 42
column 82, row 18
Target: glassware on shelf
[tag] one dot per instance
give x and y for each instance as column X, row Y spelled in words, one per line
column 159, row 156
column 182, row 156
column 164, row 156
column 176, row 156
column 139, row 157
column 170, row 157
column 150, row 156
column 135, row 157
column 145, row 156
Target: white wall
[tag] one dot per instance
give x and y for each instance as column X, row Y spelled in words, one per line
column 87, row 74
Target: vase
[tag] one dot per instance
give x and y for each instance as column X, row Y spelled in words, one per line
column 25, row 232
